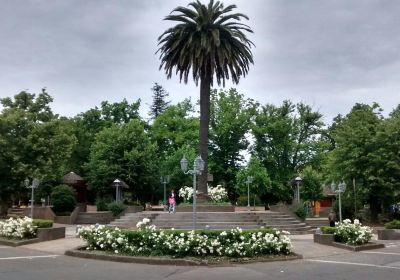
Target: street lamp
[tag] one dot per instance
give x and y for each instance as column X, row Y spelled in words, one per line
column 298, row 181
column 33, row 186
column 340, row 188
column 249, row 180
column 198, row 167
column 165, row 181
column 118, row 185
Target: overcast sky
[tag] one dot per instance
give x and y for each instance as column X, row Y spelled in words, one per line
column 328, row 54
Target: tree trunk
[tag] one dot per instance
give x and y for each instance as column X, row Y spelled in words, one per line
column 205, row 86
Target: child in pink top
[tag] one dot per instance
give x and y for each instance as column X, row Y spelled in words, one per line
column 172, row 202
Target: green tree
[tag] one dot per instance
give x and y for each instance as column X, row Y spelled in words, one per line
column 34, row 142
column 311, row 189
column 87, row 124
column 261, row 185
column 230, row 122
column 356, row 153
column 287, row 139
column 124, row 152
column 175, row 128
column 211, row 41
column 159, row 103
column 63, row 198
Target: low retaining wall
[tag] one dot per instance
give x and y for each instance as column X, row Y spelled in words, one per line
column 172, row 261
column 46, row 234
column 328, row 239
column 206, row 208
column 389, row 234
column 43, row 234
column 104, row 217
column 68, row 220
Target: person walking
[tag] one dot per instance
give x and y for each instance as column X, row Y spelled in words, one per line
column 332, row 218
column 172, row 202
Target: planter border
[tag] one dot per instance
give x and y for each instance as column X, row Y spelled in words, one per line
column 328, row 239
column 388, row 234
column 43, row 234
column 105, row 256
column 357, row 248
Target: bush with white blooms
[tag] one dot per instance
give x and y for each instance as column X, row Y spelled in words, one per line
column 352, row 233
column 149, row 241
column 216, row 194
column 18, row 228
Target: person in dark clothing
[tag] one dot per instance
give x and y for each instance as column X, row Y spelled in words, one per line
column 332, row 218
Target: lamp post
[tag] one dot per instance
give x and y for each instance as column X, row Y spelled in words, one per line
column 33, row 186
column 198, row 167
column 118, row 185
column 298, row 181
column 249, row 180
column 165, row 181
column 340, row 188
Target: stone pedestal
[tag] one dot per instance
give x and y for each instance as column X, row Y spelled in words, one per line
column 203, row 198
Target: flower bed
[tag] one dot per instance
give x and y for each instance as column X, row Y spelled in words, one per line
column 350, row 236
column 352, row 233
column 149, row 241
column 19, row 228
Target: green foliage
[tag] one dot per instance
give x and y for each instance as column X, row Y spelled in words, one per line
column 261, row 184
column 301, row 212
column 159, row 103
column 230, row 120
column 125, row 152
column 395, row 224
column 242, row 200
column 287, row 139
column 311, row 189
column 367, row 148
column 101, row 204
column 63, row 198
column 34, row 142
column 150, row 242
column 86, row 125
column 175, row 128
column 328, row 230
column 39, row 223
column 116, row 208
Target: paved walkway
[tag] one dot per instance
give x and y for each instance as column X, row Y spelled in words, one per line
column 302, row 244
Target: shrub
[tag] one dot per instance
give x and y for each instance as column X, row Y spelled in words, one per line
column 42, row 223
column 353, row 234
column 19, row 228
column 300, row 212
column 242, row 200
column 116, row 208
column 101, row 204
column 395, row 224
column 149, row 241
column 328, row 230
column 64, row 199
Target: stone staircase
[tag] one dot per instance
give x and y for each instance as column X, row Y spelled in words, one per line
column 216, row 221
column 94, row 218
column 15, row 212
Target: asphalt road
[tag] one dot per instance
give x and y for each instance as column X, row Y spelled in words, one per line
column 320, row 262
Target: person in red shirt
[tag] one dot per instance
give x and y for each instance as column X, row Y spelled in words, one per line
column 172, row 202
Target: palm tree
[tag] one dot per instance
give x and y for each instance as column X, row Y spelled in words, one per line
column 211, row 41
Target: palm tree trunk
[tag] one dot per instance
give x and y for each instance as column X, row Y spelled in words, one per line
column 205, row 86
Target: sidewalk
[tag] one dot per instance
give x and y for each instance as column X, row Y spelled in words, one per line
column 59, row 246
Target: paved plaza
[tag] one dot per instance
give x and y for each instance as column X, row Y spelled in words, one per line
column 46, row 261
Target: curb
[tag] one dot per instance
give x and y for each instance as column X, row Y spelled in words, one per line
column 169, row 261
column 16, row 243
column 368, row 246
